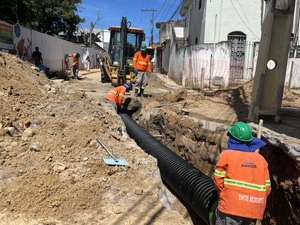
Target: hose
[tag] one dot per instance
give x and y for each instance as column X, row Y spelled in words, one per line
column 195, row 188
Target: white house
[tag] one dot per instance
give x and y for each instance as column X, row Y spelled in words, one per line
column 213, row 21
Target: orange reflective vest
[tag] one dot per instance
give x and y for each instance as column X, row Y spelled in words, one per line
column 116, row 95
column 142, row 63
column 243, row 183
column 75, row 61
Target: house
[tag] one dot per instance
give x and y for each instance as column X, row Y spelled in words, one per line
column 221, row 42
column 238, row 23
column 166, row 31
column 213, row 21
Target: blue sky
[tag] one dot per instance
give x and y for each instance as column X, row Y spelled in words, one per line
column 111, row 12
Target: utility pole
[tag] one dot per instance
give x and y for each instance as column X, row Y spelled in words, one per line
column 152, row 23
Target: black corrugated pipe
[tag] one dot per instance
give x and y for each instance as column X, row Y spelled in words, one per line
column 195, row 188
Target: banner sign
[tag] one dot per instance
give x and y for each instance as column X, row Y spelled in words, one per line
column 6, row 36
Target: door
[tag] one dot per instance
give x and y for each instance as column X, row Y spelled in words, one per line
column 237, row 43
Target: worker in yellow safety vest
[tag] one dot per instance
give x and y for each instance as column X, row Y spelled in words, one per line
column 242, row 178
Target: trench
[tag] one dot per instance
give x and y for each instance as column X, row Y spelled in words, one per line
column 195, row 188
column 194, row 146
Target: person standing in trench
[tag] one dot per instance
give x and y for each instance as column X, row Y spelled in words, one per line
column 242, row 178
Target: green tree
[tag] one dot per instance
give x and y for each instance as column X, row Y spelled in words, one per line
column 58, row 16
column 18, row 11
column 47, row 16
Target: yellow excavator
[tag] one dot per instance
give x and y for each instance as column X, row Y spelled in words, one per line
column 117, row 65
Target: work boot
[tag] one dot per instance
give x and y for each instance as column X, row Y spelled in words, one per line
column 136, row 93
column 142, row 92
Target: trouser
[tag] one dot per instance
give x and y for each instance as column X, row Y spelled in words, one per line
column 75, row 71
column 227, row 219
column 141, row 81
column 110, row 104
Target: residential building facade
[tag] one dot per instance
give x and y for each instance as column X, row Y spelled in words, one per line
column 213, row 21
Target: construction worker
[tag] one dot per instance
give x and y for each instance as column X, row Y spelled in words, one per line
column 37, row 57
column 242, row 178
column 116, row 96
column 142, row 65
column 75, row 64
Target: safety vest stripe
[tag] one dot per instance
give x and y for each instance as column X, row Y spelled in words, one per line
column 121, row 94
column 246, row 185
column 268, row 183
column 142, row 63
column 113, row 92
column 219, row 173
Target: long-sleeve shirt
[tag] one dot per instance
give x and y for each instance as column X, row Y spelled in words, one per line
column 142, row 62
column 116, row 95
column 243, row 182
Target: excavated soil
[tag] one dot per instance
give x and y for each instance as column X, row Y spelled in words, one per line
column 52, row 170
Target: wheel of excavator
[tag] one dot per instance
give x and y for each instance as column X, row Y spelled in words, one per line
column 104, row 75
column 128, row 78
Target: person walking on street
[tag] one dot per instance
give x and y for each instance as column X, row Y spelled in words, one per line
column 242, row 178
column 75, row 65
column 142, row 65
column 116, row 96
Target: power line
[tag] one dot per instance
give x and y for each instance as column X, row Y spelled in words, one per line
column 176, row 11
column 242, row 19
column 161, row 9
column 152, row 22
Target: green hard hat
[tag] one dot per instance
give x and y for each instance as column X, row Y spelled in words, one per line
column 241, row 131
column 143, row 47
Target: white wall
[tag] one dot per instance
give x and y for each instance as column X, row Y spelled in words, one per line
column 198, row 66
column 217, row 18
column 105, row 36
column 53, row 49
column 292, row 78
column 228, row 15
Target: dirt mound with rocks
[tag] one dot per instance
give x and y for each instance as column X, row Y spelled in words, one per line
column 52, row 169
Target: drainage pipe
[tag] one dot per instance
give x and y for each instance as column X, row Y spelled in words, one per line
column 195, row 188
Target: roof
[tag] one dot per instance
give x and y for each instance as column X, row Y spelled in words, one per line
column 130, row 29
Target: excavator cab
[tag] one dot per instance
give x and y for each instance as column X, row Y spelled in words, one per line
column 117, row 63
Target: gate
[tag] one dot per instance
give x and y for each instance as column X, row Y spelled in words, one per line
column 237, row 43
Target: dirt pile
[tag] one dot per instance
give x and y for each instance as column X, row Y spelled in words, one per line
column 51, row 167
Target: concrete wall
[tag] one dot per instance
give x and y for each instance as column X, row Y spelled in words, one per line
column 292, row 78
column 206, row 65
column 198, row 66
column 53, row 49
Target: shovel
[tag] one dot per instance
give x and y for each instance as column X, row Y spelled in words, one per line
column 113, row 160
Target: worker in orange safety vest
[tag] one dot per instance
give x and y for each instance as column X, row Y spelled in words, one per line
column 116, row 96
column 242, row 178
column 142, row 64
column 75, row 64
